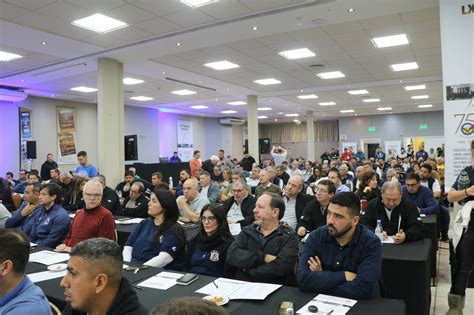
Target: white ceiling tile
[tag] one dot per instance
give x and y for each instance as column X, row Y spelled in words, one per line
column 130, row 14
column 341, row 28
column 423, row 26
column 157, row 26
column 159, row 8
column 8, row 11
column 131, row 34
column 29, row 4
column 267, row 4
column 66, row 11
column 98, row 6
column 35, row 20
column 187, row 18
column 381, row 21
column 225, row 9
column 420, row 15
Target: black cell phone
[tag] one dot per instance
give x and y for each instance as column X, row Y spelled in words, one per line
column 187, row 279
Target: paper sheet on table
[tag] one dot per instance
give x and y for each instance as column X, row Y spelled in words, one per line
column 235, row 228
column 33, row 244
column 46, row 275
column 47, row 257
column 389, row 240
column 239, row 290
column 162, row 281
column 130, row 221
column 327, row 303
column 72, row 215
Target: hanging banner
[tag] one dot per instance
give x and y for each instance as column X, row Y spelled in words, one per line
column 351, row 145
column 66, row 126
column 456, row 17
column 25, row 135
column 185, row 140
column 394, row 146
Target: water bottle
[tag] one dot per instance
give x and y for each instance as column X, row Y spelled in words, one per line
column 171, row 181
column 379, row 230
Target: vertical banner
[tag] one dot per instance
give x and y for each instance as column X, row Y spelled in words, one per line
column 394, row 146
column 25, row 135
column 185, row 140
column 66, row 119
column 457, row 17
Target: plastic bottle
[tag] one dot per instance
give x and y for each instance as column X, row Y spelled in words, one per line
column 171, row 181
column 379, row 230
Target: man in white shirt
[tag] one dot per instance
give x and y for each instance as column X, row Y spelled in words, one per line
column 279, row 155
column 295, row 201
column 191, row 203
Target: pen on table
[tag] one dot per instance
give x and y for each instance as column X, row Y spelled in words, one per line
column 136, row 270
column 399, row 222
column 215, row 284
column 138, row 288
column 331, row 303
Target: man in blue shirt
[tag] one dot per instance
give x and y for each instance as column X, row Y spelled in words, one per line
column 85, row 169
column 18, row 295
column 22, row 216
column 421, row 196
column 422, row 153
column 342, row 258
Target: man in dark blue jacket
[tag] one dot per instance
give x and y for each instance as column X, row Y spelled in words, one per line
column 421, row 196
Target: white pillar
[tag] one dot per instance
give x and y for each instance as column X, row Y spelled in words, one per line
column 252, row 124
column 310, row 135
column 110, row 120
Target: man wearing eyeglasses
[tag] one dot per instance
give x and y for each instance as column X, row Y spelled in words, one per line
column 400, row 217
column 136, row 204
column 90, row 222
column 240, row 206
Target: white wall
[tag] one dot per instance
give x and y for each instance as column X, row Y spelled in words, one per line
column 9, row 139
column 144, row 122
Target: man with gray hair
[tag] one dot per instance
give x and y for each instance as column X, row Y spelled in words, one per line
column 191, row 202
column 94, row 284
column 92, row 221
column 295, row 200
column 400, row 217
column 240, row 206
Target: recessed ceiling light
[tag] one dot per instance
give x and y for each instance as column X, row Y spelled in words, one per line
column 268, row 81
column 419, row 97
column 345, row 111
column 371, row 100
column 221, row 65
column 237, row 103
column 307, row 97
column 178, row 44
column 292, row 115
column 163, row 72
column 404, row 66
column 254, row 28
column 327, row 103
column 100, row 23
column 351, row 10
column 183, row 92
column 44, row 43
column 264, row 108
column 415, row 87
column 384, row 108
column 132, row 81
column 331, row 75
column 141, row 98
column 358, row 92
column 425, row 106
column 84, row 89
column 390, row 41
column 198, row 3
column 199, row 107
column 5, row 56
column 262, row 117
column 297, row 53
column 229, row 112
column 52, row 95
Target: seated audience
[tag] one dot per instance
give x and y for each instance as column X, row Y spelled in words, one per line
column 208, row 251
column 208, row 188
column 6, row 194
column 90, row 222
column 123, row 188
column 265, row 185
column 369, row 186
column 49, row 224
column 295, row 201
column 400, row 218
column 420, row 196
column 33, row 177
column 76, row 199
column 188, row 306
column 335, row 177
column 175, row 158
column 315, row 212
column 343, row 258
column 136, row 204
column 94, row 284
column 110, row 200
column 158, row 241
column 184, row 175
column 4, row 215
column 19, row 219
column 216, row 175
column 191, row 203
column 239, row 207
column 18, row 295
column 265, row 251
column 253, row 180
column 156, row 180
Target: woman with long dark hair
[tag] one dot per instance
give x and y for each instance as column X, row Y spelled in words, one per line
column 158, row 241
column 369, row 186
column 208, row 251
column 76, row 200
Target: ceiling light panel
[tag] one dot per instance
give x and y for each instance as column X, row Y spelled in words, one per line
column 420, row 97
column 390, row 41
column 371, row 100
column 262, row 117
column 229, row 112
column 297, row 53
column 84, row 89
column 264, row 108
column 346, row 111
column 358, row 92
column 236, row 103
column 327, row 103
column 307, row 97
column 199, row 107
column 141, row 98
column 100, row 23
column 198, row 3
column 425, row 106
column 404, row 66
column 6, row 56
column 415, row 87
column 132, row 81
column 331, row 75
column 292, row 115
column 183, row 92
column 221, row 65
column 384, row 108
column 268, row 81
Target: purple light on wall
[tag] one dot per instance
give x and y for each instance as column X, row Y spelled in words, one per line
column 167, row 136
column 9, row 141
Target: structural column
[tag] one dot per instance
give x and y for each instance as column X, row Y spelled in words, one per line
column 310, row 135
column 110, row 119
column 252, row 125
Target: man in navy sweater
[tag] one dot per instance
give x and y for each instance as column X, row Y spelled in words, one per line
column 421, row 196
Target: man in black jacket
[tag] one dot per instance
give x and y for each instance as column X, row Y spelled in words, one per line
column 110, row 199
column 295, row 201
column 247, row 161
column 240, row 206
column 400, row 217
column 135, row 205
column 47, row 166
column 265, row 251
column 94, row 284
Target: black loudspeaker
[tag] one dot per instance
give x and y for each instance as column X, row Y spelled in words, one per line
column 131, row 148
column 31, row 150
column 264, row 145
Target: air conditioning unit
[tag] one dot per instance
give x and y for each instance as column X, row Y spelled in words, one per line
column 232, row 121
column 12, row 95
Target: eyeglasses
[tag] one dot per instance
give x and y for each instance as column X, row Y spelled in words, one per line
column 209, row 219
column 237, row 190
column 134, row 191
column 319, row 190
column 92, row 195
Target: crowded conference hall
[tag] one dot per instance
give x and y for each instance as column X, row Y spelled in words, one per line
column 190, row 157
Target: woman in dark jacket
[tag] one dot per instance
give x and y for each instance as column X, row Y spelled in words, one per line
column 208, row 251
column 369, row 186
column 76, row 200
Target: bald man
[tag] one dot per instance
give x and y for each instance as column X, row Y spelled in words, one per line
column 295, row 200
column 191, row 203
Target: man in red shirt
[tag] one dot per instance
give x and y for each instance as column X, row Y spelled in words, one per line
column 347, row 155
column 90, row 222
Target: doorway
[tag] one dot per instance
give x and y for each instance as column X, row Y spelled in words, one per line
column 369, row 146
